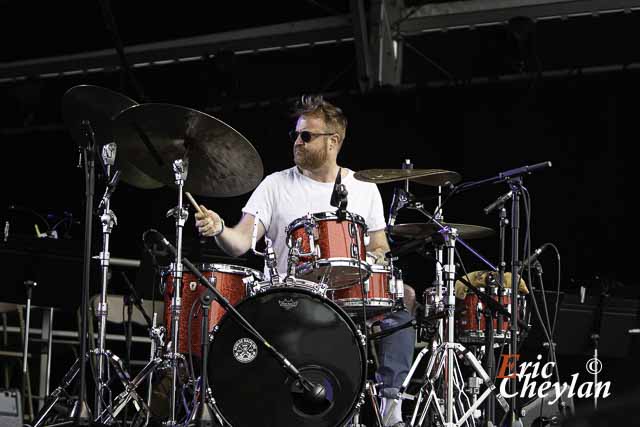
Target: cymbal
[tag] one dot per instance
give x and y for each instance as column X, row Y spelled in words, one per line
column 424, row 230
column 433, row 177
column 221, row 162
column 98, row 105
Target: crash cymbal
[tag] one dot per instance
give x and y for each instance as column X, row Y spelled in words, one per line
column 221, row 162
column 99, row 105
column 424, row 230
column 433, row 177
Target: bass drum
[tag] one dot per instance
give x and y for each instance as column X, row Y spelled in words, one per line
column 316, row 336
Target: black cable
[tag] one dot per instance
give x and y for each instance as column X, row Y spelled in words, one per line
column 189, row 339
column 555, row 314
column 110, row 23
column 354, row 239
column 546, row 328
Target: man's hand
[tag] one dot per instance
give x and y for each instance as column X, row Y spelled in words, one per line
column 379, row 256
column 209, row 223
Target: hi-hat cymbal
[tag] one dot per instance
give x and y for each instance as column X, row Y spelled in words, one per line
column 221, row 162
column 433, row 177
column 424, row 230
column 98, row 106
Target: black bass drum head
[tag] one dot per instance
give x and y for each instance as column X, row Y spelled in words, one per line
column 252, row 389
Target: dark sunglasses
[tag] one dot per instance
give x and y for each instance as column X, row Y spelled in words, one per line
column 305, row 135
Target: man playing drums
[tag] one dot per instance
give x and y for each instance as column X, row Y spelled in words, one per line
column 285, row 196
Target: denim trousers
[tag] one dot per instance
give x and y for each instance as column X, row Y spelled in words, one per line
column 395, row 353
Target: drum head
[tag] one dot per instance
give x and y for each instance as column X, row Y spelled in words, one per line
column 250, row 386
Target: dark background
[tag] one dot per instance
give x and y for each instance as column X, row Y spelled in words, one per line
column 475, row 101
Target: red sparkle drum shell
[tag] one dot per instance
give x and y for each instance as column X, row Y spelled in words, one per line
column 380, row 298
column 340, row 257
column 471, row 322
column 232, row 281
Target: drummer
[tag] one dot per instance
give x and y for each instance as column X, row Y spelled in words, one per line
column 306, row 188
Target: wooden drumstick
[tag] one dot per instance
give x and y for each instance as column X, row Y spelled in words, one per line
column 193, row 202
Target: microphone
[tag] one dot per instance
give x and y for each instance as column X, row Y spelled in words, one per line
column 339, row 194
column 152, row 236
column 394, row 208
column 534, row 256
column 498, row 202
column 109, row 154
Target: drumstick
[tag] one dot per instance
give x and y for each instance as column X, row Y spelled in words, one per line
column 193, row 202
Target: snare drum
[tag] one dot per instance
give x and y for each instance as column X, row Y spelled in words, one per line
column 288, row 282
column 232, row 281
column 381, row 293
column 471, row 322
column 333, row 251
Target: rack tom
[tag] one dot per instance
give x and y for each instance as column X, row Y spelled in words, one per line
column 332, row 251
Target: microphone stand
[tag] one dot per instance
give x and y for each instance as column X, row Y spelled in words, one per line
column 515, row 183
column 81, row 411
column 490, row 360
column 108, row 220
column 180, row 169
column 204, row 414
column 29, row 284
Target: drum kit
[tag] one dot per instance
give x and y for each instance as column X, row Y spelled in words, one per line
column 287, row 350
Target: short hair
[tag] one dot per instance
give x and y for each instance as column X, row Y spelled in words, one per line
column 315, row 105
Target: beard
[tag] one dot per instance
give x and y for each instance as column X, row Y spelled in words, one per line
column 308, row 159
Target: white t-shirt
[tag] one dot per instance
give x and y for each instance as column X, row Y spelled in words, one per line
column 285, row 196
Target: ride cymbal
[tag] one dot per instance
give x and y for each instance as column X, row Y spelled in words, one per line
column 221, row 162
column 98, row 106
column 433, row 177
column 424, row 230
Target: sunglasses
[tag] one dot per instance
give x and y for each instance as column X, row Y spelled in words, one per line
column 305, row 135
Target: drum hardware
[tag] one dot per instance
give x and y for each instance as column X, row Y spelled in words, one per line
column 29, row 285
column 269, row 255
column 445, row 355
column 108, row 219
column 204, row 412
column 514, row 179
column 87, row 112
column 312, row 395
column 490, row 361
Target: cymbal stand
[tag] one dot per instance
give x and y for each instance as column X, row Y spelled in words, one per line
column 180, row 170
column 108, row 220
column 458, row 409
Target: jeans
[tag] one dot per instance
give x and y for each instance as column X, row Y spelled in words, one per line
column 395, row 353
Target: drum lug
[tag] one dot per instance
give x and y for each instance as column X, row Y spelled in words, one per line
column 354, row 251
column 360, row 401
column 363, row 339
column 352, row 229
column 321, row 289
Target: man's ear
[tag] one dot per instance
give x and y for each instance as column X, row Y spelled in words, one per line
column 335, row 141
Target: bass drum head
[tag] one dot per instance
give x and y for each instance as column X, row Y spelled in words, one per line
column 252, row 389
